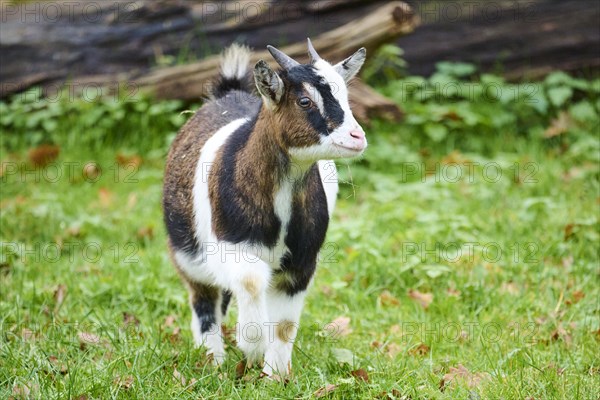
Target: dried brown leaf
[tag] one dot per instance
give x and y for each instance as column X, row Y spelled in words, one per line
column 561, row 333
column 169, row 321
column 43, row 155
column 461, row 373
column 179, row 378
column 341, row 326
column 424, row 299
column 577, row 296
column 420, row 350
column 106, row 197
column 91, row 171
column 62, row 368
column 145, row 232
column 129, row 160
column 392, row 350
column 59, row 296
column 240, row 369
column 325, row 390
column 124, row 382
column 26, row 390
column 559, row 125
column 569, row 228
column 510, row 288
column 130, row 319
column 360, row 375
column 27, row 334
column 386, row 298
column 87, row 338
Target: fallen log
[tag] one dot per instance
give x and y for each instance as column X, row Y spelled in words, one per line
column 192, row 81
column 119, row 42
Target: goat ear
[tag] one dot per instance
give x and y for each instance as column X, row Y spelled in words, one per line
column 351, row 65
column 268, row 83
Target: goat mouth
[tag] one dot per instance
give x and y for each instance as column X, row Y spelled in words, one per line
column 350, row 149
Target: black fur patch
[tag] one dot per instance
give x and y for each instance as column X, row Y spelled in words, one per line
column 224, row 85
column 306, row 232
column 236, row 223
column 180, row 230
column 225, row 301
column 205, row 307
column 334, row 115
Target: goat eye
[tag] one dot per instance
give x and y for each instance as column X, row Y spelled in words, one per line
column 304, row 102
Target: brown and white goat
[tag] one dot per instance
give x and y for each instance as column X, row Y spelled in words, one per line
column 248, row 194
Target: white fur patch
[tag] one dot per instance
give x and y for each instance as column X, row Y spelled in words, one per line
column 234, row 61
column 329, row 179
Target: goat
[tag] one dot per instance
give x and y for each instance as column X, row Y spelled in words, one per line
column 249, row 188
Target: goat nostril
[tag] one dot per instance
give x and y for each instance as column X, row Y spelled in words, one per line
column 357, row 134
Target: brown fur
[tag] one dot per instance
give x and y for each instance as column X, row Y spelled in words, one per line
column 258, row 169
column 252, row 286
column 285, row 330
column 181, row 164
column 290, row 120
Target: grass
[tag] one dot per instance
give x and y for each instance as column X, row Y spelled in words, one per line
column 468, row 268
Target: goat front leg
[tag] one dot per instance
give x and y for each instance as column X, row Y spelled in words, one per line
column 284, row 318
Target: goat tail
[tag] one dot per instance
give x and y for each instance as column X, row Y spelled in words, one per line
column 234, row 73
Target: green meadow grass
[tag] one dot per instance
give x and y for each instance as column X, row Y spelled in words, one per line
column 467, row 266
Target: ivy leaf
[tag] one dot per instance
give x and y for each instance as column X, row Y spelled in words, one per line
column 437, row 132
column 583, row 111
column 458, row 69
column 343, row 356
column 559, row 95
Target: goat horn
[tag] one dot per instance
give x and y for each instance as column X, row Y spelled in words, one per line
column 314, row 56
column 285, row 61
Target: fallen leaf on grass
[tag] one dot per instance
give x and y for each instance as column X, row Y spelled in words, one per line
column 392, row 350
column 386, row 298
column 562, row 334
column 420, row 350
column 131, row 201
column 86, row 338
column 394, row 394
column 325, row 390
column 106, row 197
column 360, row 375
column 27, row 334
column 25, row 391
column 453, row 292
column 129, row 160
column 59, row 296
column 559, row 125
column 61, row 367
column 91, row 171
column 169, row 321
column 510, row 288
column 576, row 297
column 327, row 290
column 424, row 299
column 179, row 378
column 124, row 382
column 566, row 262
column 145, row 232
column 568, row 231
column 461, row 373
column 240, row 369
column 130, row 319
column 43, row 155
column 341, row 326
